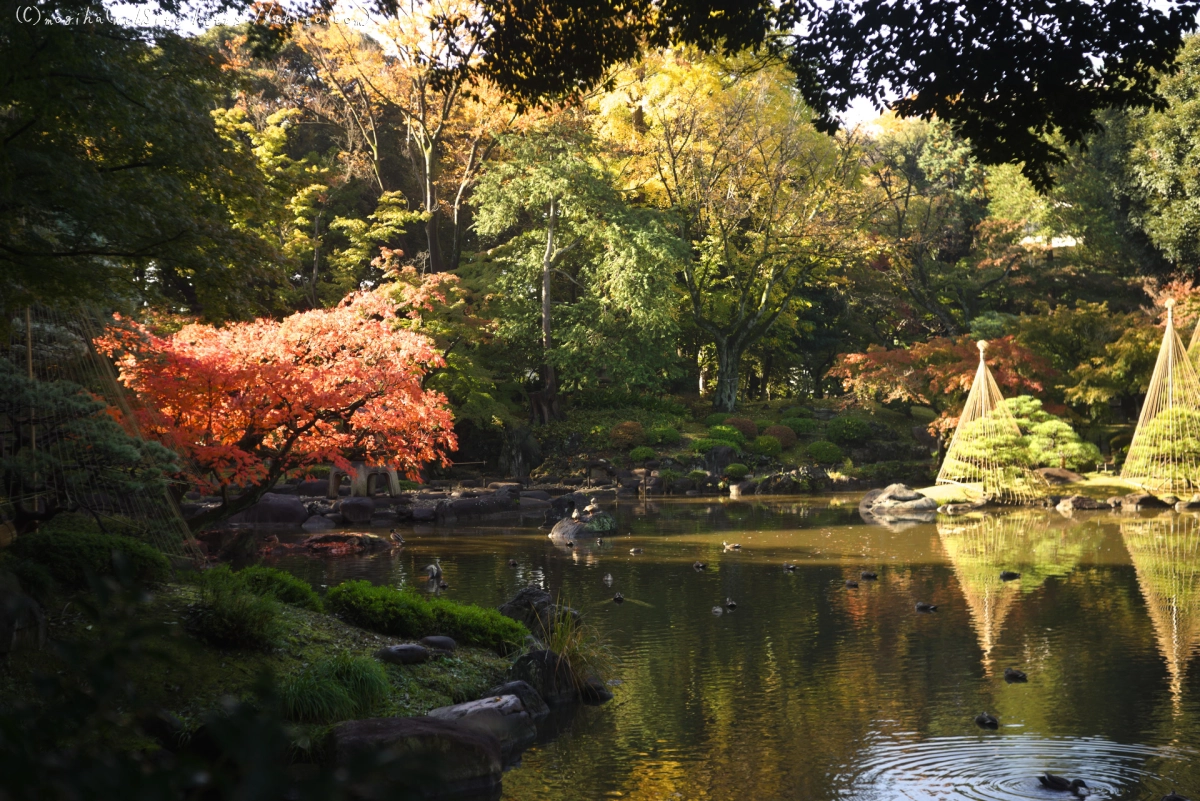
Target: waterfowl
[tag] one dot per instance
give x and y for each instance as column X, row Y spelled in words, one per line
column 1008, row 575
column 1013, row 675
column 512, row 563
column 635, row 550
column 718, row 610
column 730, row 603
column 434, row 570
column 731, row 546
column 599, row 541
column 1052, row 782
column 618, row 598
column 270, row 539
column 607, row 579
column 570, row 544
column 868, row 575
column 1174, row 796
column 443, row 585
column 698, row 565
column 395, row 537
column 925, row 607
column 986, row 721
column 851, row 584
column 789, row 567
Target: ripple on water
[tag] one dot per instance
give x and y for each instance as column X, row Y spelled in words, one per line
column 1006, row 768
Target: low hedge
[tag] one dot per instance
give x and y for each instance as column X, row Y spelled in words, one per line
column 71, row 556
column 716, row 419
column 664, row 435
column 824, row 452
column 642, row 453
column 800, row 425
column 785, row 435
column 628, row 434
column 727, row 433
column 404, row 613
column 766, row 445
column 282, row 586
column 747, row 426
column 736, row 471
column 229, row 614
column 705, row 445
column 848, row 430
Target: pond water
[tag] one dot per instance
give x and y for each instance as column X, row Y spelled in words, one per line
column 812, row 690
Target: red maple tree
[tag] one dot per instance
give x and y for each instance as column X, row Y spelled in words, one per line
column 247, row 402
column 938, row 373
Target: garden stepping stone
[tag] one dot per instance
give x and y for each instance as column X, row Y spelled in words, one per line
column 439, row 643
column 407, row 654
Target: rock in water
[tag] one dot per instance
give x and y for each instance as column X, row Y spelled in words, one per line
column 502, row 716
column 547, row 674
column 441, row 758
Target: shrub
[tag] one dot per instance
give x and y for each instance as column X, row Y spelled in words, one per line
column 763, row 424
column 35, row 580
column 581, row 647
column 824, row 452
column 229, row 614
column 317, row 471
column 627, row 434
column 727, row 433
column 669, row 477
column 70, row 556
column 798, row 412
column 698, row 475
column 706, row 445
column 334, row 689
column 403, row 613
column 282, row 586
column 766, row 445
column 736, row 471
column 664, row 435
column 848, row 430
column 716, row 419
column 785, row 435
column 745, row 425
column 800, row 425
column 641, row 453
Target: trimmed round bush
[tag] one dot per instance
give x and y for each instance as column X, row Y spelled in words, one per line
column 728, row 433
column 824, row 452
column 228, row 614
column 698, row 475
column 716, row 419
column 798, row 411
column 766, row 445
column 641, row 453
column 763, row 425
column 800, row 425
column 627, row 435
column 736, row 471
column 848, row 430
column 71, row 556
column 664, row 436
column 282, row 586
column 669, row 477
column 785, row 435
column 747, row 426
column 706, row 445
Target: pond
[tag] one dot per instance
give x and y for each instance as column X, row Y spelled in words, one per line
column 810, row 689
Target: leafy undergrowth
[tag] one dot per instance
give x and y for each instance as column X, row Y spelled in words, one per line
column 188, row 677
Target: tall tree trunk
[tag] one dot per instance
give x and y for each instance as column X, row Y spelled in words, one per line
column 545, row 405
column 437, row 263
column 728, row 357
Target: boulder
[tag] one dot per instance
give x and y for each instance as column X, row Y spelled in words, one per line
column 313, row 488
column 897, row 493
column 424, row 514
column 718, row 458
column 1058, row 475
column 501, row 716
column 384, row 519
column 1115, row 501
column 318, row 523
column 548, row 675
column 432, row 757
column 746, row 487
column 1142, row 500
column 682, row 485
column 595, row 693
column 406, row 654
column 533, row 607
column 1080, row 502
column 357, row 510
column 540, row 495
column 439, row 643
column 533, row 702
column 273, row 509
column 344, row 542
column 533, row 504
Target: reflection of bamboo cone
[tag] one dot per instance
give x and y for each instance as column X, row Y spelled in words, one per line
column 1166, row 556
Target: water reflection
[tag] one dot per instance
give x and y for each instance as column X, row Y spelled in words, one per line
column 813, row 690
column 1166, row 554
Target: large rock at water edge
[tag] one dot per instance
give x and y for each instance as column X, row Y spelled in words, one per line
column 534, row 703
column 273, row 509
column 318, row 523
column 1142, row 500
column 502, row 716
column 426, row 757
column 548, row 674
column 1080, row 502
column 357, row 510
column 1058, row 475
column 532, row 606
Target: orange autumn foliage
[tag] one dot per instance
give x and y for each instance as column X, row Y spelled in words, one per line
column 247, row 402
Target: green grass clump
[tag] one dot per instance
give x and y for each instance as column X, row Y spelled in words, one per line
column 334, row 689
column 403, row 613
column 642, row 453
column 716, row 419
column 800, row 425
column 824, row 452
column 71, row 556
column 669, row 477
column 727, row 433
column 282, row 586
column 766, row 445
column 736, row 471
column 664, row 435
column 579, row 645
column 229, row 614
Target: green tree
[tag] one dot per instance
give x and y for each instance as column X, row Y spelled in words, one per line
column 1051, row 441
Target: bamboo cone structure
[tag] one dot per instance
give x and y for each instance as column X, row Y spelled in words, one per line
column 1166, row 556
column 986, row 449
column 1164, row 456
